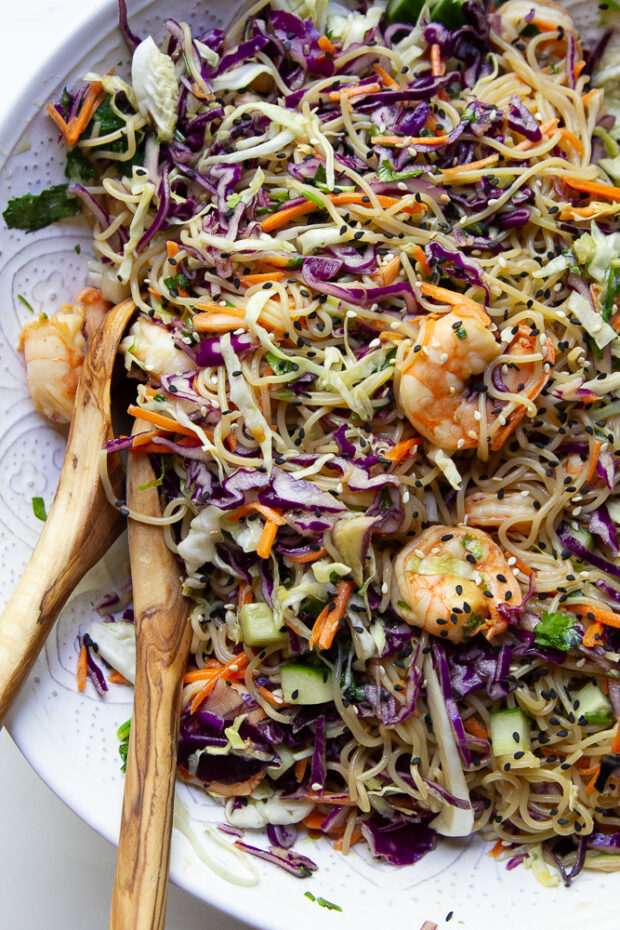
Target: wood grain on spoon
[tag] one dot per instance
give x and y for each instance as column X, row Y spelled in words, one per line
column 81, row 524
column 163, row 638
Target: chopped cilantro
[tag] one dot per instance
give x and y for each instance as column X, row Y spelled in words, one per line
column 461, row 333
column 38, row 508
column 328, row 904
column 386, row 172
column 280, row 366
column 77, row 248
column 177, row 282
column 386, row 499
column 156, row 482
column 123, row 736
column 233, row 200
column 556, row 630
column 23, row 300
column 390, row 355
column 404, row 604
column 474, row 546
column 34, row 211
column 313, row 198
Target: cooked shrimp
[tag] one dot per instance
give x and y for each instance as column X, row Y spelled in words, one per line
column 152, row 348
column 449, row 581
column 95, row 308
column 435, row 392
column 484, row 508
column 54, row 351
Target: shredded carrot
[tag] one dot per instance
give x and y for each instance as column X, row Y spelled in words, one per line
column 314, row 820
column 437, row 65
column 214, row 669
column 247, row 280
column 116, row 678
column 355, row 837
column 571, row 138
column 590, row 789
column 533, row 391
column 172, row 248
column 82, row 668
column 327, row 622
column 160, row 420
column 615, row 746
column 411, row 140
column 615, row 322
column 497, row 849
column 290, row 213
column 307, row 556
column 300, row 769
column 233, row 669
column 143, row 439
column 388, row 273
column 268, row 513
column 58, row 119
column 546, row 128
column 454, row 299
column 472, row 166
column 245, row 594
column 340, row 800
column 385, row 77
column 420, row 257
column 402, row 449
column 596, row 614
column 272, row 698
column 588, row 97
column 521, row 565
column 596, row 448
column 326, row 45
column 91, row 103
column 267, row 537
column 473, row 726
column 592, row 634
column 594, row 188
column 217, row 308
column 218, row 323
column 387, row 336
column 578, row 68
column 355, row 91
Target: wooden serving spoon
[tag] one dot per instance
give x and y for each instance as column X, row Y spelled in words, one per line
column 163, row 638
column 81, row 524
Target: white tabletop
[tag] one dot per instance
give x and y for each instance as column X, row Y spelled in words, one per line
column 55, row 872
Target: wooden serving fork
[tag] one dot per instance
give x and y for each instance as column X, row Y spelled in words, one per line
column 163, row 637
column 81, row 524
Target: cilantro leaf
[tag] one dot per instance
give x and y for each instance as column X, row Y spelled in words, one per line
column 280, row 366
column 38, row 508
column 386, row 172
column 34, row 211
column 556, row 630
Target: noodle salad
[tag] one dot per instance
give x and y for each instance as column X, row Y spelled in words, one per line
column 375, row 259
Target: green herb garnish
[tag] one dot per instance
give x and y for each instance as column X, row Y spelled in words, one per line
column 556, row 630
column 38, row 508
column 34, row 211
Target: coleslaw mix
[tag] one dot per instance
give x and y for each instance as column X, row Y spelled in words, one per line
column 375, row 259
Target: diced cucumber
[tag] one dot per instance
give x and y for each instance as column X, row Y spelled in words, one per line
column 448, row 12
column 581, row 534
column 594, row 705
column 306, row 684
column 510, row 732
column 258, row 626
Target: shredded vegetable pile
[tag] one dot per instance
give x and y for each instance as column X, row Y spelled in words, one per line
column 376, row 267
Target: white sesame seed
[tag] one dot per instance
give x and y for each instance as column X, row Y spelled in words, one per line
column 577, row 511
column 385, row 588
column 460, row 444
column 351, row 314
column 584, row 574
column 472, row 434
column 477, row 415
column 525, row 493
column 435, row 344
column 512, row 560
column 316, row 786
column 443, row 358
column 419, row 554
column 405, row 496
column 374, row 344
column 401, row 186
column 394, row 324
column 501, row 420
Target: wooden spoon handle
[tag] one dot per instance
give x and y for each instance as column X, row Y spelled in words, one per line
column 81, row 524
column 163, row 638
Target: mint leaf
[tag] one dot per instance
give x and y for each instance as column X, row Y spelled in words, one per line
column 34, row 211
